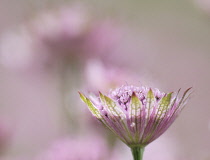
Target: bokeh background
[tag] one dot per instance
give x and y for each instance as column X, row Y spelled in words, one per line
column 50, row 50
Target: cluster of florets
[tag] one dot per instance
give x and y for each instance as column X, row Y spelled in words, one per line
column 123, row 94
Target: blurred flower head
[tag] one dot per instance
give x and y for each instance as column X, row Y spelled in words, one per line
column 137, row 115
column 204, row 5
column 103, row 37
column 97, row 73
column 71, row 31
column 79, row 148
column 62, row 30
column 19, row 51
column 68, row 32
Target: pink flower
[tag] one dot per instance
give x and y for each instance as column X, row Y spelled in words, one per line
column 20, row 51
column 69, row 34
column 137, row 115
column 70, row 31
column 204, row 5
column 103, row 37
column 108, row 75
column 62, row 31
column 85, row 148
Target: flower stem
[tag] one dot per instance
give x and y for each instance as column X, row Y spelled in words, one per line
column 137, row 153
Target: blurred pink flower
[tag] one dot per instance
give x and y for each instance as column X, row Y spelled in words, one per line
column 68, row 32
column 79, row 148
column 72, row 32
column 65, row 24
column 103, row 37
column 204, row 5
column 108, row 75
column 19, row 51
column 62, row 31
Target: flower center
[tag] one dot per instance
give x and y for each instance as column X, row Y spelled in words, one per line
column 123, row 94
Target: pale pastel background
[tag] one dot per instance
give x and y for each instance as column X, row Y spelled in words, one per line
column 163, row 43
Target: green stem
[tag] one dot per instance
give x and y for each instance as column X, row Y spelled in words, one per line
column 137, row 153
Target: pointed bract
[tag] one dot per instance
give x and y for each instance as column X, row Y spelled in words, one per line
column 90, row 105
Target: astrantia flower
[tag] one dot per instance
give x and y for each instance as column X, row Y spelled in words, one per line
column 137, row 115
column 77, row 148
column 71, row 32
column 108, row 75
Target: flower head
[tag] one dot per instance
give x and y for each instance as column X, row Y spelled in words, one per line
column 109, row 75
column 137, row 115
column 71, row 32
column 77, row 148
column 204, row 5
